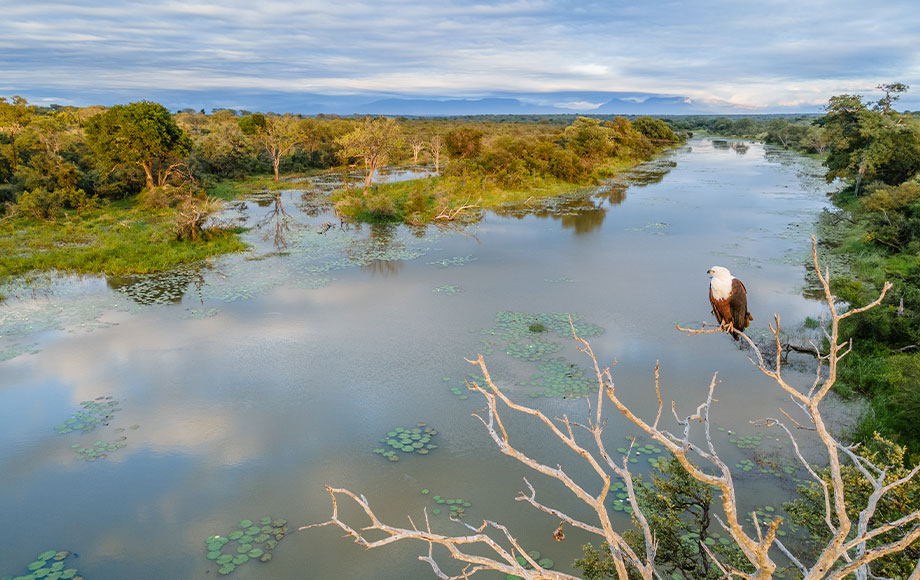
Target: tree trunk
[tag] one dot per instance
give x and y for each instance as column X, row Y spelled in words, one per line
column 148, row 171
column 276, row 162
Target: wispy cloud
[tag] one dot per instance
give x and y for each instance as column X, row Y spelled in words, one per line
column 774, row 53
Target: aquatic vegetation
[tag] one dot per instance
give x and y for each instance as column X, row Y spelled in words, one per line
column 200, row 314
column 249, row 542
column 97, row 413
column 545, row 563
column 454, row 262
column 408, row 440
column 455, row 508
column 49, row 565
column 449, row 290
column 532, row 337
column 93, row 414
column 654, row 228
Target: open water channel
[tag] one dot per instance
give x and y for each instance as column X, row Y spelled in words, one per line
column 140, row 416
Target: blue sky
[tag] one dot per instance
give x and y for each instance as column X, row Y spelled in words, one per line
column 732, row 56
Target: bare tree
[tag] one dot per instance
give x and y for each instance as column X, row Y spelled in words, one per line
column 417, row 143
column 436, row 144
column 847, row 552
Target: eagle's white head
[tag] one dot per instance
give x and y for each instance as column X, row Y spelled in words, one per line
column 721, row 282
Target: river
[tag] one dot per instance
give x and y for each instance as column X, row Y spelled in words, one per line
column 140, row 416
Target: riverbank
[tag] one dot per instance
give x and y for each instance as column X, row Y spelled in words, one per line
column 119, row 238
column 871, row 239
column 461, row 197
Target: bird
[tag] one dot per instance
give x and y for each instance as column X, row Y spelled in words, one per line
column 728, row 297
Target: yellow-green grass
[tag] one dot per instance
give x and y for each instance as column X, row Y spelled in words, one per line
column 421, row 200
column 110, row 240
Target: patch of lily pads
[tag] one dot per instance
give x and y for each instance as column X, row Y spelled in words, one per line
column 407, row 440
column 545, row 563
column 49, row 565
column 455, row 508
column 93, row 414
column 96, row 413
column 448, row 289
column 251, row 541
column 562, row 379
column 454, row 262
column 536, row 338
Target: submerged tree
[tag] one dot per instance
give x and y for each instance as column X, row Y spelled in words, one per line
column 853, row 544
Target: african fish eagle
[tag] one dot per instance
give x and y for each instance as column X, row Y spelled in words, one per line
column 729, row 301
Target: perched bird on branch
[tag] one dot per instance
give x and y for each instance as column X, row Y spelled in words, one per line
column 728, row 297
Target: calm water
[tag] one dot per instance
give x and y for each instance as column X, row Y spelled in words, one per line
column 246, row 384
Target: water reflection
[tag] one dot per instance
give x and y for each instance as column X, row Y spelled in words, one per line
column 276, row 224
column 584, row 212
column 160, row 288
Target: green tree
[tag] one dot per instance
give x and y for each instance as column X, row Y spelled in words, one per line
column 279, row 135
column 782, row 132
column 463, row 143
column 679, row 511
column 373, row 141
column 867, row 145
column 656, row 130
column 142, row 134
column 589, row 139
column 880, row 459
column 15, row 116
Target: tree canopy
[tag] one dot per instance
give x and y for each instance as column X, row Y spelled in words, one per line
column 143, row 134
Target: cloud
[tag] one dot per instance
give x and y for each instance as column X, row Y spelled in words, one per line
column 765, row 54
column 578, row 105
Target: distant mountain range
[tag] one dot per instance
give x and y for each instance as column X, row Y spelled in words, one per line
column 551, row 103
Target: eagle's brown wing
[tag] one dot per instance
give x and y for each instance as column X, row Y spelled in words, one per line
column 738, row 304
column 720, row 309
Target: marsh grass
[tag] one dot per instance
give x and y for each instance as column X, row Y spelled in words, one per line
column 117, row 239
column 420, row 200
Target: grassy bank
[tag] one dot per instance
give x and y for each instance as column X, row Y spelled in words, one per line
column 884, row 366
column 117, row 239
column 421, row 201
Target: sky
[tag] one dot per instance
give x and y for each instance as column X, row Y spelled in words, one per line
column 727, row 56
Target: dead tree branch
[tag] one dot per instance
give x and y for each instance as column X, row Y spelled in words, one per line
column 847, row 552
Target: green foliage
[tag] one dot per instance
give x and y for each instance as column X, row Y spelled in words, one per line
column 463, row 143
column 252, row 124
column 45, row 205
column 678, row 510
column 809, row 511
column 866, row 144
column 142, row 134
column 656, row 129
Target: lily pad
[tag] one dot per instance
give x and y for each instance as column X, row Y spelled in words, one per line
column 226, row 568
